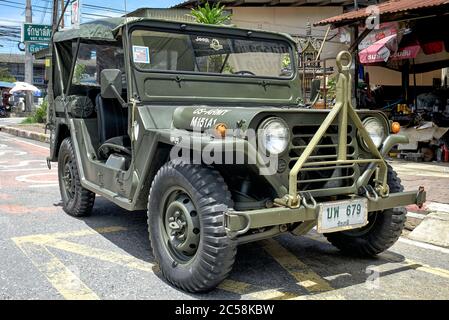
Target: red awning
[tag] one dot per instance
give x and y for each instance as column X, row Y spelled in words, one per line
column 379, row 51
column 388, row 11
column 408, row 52
column 387, row 49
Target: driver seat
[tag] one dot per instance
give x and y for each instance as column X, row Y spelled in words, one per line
column 112, row 127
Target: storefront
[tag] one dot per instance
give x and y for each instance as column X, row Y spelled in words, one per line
column 408, row 40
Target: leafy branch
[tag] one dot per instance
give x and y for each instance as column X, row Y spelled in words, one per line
column 208, row 14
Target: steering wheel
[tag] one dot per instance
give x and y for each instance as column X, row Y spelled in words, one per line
column 244, row 72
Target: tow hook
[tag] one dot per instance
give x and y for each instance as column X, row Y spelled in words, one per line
column 420, row 196
column 308, row 201
column 369, row 192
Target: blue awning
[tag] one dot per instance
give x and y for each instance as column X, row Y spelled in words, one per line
column 4, row 84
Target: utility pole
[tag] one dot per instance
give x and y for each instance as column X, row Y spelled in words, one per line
column 54, row 22
column 28, row 60
column 62, row 10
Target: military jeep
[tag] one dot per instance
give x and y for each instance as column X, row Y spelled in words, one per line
column 205, row 127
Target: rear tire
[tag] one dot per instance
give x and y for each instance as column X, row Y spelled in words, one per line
column 185, row 223
column 76, row 200
column 383, row 230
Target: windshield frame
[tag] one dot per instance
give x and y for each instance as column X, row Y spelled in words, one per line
column 218, row 33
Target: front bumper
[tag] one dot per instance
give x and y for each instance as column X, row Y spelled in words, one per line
column 239, row 222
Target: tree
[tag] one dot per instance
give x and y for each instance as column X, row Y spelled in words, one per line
column 208, row 14
column 6, row 76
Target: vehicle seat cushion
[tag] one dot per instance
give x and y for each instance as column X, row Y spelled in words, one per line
column 112, row 119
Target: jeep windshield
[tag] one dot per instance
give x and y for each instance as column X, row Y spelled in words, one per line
column 155, row 51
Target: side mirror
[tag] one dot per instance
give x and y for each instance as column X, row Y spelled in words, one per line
column 111, row 83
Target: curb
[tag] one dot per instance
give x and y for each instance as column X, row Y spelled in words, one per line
column 434, row 229
column 41, row 137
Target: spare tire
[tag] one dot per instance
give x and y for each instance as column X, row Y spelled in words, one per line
column 80, row 106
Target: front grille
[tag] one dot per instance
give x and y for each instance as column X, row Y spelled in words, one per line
column 324, row 179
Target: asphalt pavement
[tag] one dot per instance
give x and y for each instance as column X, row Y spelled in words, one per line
column 46, row 254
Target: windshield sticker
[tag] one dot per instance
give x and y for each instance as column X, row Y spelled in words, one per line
column 202, row 39
column 216, row 45
column 141, row 54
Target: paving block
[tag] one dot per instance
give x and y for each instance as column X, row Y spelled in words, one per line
column 434, row 229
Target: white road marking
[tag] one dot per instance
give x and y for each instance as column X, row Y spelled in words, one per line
column 33, row 144
column 21, row 164
column 6, row 139
column 44, row 185
column 416, row 215
column 423, row 245
column 29, row 178
column 24, row 170
column 13, row 152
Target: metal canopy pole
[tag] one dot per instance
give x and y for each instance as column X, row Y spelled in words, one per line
column 28, row 60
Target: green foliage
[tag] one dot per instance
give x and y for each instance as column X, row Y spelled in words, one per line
column 29, row 120
column 40, row 115
column 208, row 14
column 286, row 61
column 332, row 86
column 6, row 76
column 80, row 69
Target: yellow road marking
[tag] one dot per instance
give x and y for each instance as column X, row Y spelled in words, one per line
column 61, row 277
column 390, row 258
column 100, row 254
column 72, row 234
column 304, row 276
column 234, row 286
column 255, row 292
column 55, row 241
column 426, row 268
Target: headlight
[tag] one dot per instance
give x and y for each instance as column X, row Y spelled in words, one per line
column 376, row 131
column 274, row 135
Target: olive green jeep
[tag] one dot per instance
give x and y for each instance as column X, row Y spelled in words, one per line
column 205, row 128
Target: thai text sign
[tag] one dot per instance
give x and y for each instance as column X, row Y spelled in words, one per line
column 36, row 32
column 36, row 47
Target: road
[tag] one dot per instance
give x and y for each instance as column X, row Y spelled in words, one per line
column 46, row 254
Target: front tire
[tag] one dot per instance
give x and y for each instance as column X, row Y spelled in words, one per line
column 76, row 200
column 185, row 223
column 383, row 230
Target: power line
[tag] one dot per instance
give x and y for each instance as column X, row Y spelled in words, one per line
column 47, row 3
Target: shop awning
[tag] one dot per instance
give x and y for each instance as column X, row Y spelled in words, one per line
column 387, row 49
column 390, row 11
column 379, row 51
column 4, row 84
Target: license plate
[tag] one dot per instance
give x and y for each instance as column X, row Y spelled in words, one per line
column 342, row 215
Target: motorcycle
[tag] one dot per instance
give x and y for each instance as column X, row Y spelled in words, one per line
column 3, row 112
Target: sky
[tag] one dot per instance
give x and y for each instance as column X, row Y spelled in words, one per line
column 12, row 13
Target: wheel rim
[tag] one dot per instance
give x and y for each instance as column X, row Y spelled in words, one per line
column 180, row 225
column 68, row 179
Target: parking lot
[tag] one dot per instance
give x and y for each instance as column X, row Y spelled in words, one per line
column 46, row 254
